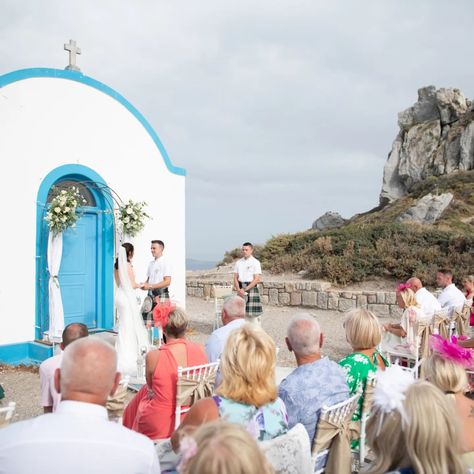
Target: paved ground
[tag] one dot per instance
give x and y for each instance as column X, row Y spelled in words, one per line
column 22, row 385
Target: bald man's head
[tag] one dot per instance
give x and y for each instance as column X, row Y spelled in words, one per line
column 415, row 284
column 88, row 371
column 72, row 332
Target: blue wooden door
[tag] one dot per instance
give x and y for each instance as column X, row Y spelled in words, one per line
column 78, row 271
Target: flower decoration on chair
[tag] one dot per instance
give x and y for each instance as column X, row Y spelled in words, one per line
column 132, row 216
column 65, row 209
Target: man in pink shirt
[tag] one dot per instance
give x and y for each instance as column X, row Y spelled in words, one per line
column 49, row 396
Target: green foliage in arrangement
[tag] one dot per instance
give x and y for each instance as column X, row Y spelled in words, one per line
column 64, row 209
column 132, row 216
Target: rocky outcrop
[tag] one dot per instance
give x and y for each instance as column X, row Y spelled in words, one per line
column 436, row 137
column 428, row 209
column 329, row 220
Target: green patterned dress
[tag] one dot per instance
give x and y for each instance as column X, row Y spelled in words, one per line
column 358, row 368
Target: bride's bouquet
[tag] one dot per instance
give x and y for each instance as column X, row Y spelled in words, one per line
column 64, row 210
column 132, row 216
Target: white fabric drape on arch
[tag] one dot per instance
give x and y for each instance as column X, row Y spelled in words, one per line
column 56, row 312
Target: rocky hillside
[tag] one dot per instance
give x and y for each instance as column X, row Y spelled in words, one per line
column 425, row 219
column 436, row 138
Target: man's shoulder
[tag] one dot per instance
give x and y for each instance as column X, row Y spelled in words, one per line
column 50, row 364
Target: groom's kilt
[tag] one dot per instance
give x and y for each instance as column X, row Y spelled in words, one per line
column 164, row 296
column 253, row 305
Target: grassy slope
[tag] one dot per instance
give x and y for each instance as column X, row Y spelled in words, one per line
column 373, row 244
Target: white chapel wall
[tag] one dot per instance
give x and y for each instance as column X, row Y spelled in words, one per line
column 49, row 122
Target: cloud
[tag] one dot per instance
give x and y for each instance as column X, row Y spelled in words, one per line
column 279, row 110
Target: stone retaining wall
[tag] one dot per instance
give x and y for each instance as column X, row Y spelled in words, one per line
column 309, row 294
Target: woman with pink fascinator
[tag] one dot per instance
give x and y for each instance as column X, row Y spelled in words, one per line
column 446, row 368
column 402, row 336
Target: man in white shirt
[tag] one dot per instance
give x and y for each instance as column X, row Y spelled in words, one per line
column 233, row 314
column 78, row 437
column 50, row 398
column 451, row 298
column 428, row 302
column 247, row 275
column 158, row 276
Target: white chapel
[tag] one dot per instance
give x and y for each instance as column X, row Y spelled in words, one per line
column 60, row 127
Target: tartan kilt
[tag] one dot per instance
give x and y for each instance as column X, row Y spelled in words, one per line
column 253, row 305
column 163, row 298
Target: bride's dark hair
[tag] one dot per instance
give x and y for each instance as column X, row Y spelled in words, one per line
column 129, row 249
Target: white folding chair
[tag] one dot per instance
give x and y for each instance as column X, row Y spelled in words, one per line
column 338, row 414
column 193, row 383
column 361, row 453
column 221, row 292
column 460, row 320
column 6, row 414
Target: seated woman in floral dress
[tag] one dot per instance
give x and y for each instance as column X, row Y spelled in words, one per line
column 247, row 394
column 363, row 333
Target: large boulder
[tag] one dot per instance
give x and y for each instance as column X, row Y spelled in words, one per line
column 436, row 137
column 329, row 220
column 428, row 209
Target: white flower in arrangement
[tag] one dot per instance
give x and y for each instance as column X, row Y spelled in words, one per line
column 132, row 216
column 63, row 211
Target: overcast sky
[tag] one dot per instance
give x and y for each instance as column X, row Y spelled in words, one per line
column 278, row 110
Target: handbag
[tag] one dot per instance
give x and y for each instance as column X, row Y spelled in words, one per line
column 147, row 304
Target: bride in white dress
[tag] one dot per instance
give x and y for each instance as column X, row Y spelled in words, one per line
column 132, row 335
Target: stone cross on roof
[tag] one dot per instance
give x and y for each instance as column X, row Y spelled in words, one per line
column 73, row 50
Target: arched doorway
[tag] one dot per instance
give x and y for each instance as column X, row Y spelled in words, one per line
column 86, row 271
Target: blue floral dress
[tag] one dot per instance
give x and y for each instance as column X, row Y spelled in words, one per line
column 263, row 423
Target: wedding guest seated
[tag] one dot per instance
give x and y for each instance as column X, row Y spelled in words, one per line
column 317, row 381
column 412, row 429
column 247, row 394
column 468, row 283
column 219, row 447
column 50, row 398
column 152, row 410
column 78, row 437
column 363, row 333
column 233, row 316
column 403, row 336
column 446, row 368
column 451, row 298
column 427, row 301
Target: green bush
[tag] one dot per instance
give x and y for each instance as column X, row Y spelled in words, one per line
column 357, row 252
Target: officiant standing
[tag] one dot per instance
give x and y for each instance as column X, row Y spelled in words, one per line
column 158, row 276
column 247, row 275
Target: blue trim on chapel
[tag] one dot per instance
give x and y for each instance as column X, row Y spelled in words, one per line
column 26, row 353
column 79, row 77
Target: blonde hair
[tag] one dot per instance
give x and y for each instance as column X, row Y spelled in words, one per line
column 362, row 329
column 445, row 374
column 248, row 367
column 428, row 442
column 177, row 322
column 409, row 298
column 225, row 448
